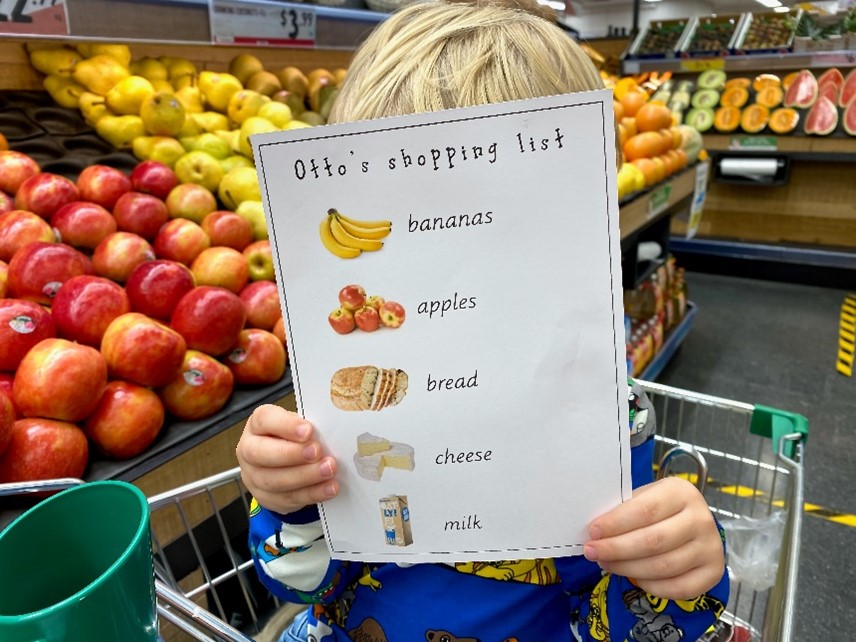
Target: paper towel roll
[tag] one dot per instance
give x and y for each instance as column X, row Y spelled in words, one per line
column 759, row 167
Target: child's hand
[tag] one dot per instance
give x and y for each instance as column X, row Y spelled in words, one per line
column 664, row 539
column 282, row 464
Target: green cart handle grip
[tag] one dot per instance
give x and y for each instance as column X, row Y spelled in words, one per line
column 774, row 424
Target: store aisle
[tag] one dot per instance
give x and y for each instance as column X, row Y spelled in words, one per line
column 775, row 344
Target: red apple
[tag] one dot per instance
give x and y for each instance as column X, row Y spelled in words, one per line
column 126, row 421
column 103, row 185
column 7, row 203
column 279, row 330
column 367, row 319
column 83, row 224
column 152, row 177
column 44, row 194
column 59, row 379
column 375, row 301
column 142, row 214
column 118, row 254
column 15, row 168
column 155, row 287
column 190, row 201
column 84, row 307
column 342, row 320
column 181, row 240
column 261, row 298
column 44, row 449
column 4, row 278
column 23, row 324
column 352, row 297
column 19, row 227
column 7, row 380
column 210, row 319
column 142, row 350
column 221, row 266
column 257, row 359
column 201, row 388
column 260, row 260
column 7, row 420
column 228, row 229
column 38, row 270
column 391, row 314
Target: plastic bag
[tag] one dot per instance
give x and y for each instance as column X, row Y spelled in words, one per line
column 753, row 549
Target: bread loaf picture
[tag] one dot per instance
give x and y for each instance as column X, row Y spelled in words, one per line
column 367, row 388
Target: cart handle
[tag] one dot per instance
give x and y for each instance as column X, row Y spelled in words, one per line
column 39, row 486
column 774, row 424
column 692, row 453
column 171, row 599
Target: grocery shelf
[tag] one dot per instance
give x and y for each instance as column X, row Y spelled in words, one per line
column 658, row 201
column 798, row 146
column 797, row 255
column 671, row 344
column 748, row 63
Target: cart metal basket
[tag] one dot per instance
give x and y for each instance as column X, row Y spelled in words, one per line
column 746, row 459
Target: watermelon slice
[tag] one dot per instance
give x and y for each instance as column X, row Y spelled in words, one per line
column 849, row 118
column 803, row 90
column 829, row 90
column 829, row 84
column 822, row 118
column 848, row 90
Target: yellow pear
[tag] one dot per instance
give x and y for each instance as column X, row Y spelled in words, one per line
column 64, row 90
column 211, row 121
column 188, row 80
column 231, row 136
column 58, row 61
column 264, row 82
column 162, row 85
column 243, row 104
column 127, row 96
column 99, row 74
column 190, row 127
column 180, row 68
column 251, row 126
column 219, row 89
column 254, row 213
column 92, row 107
column 293, row 80
column 235, row 160
column 162, row 114
column 340, row 74
column 163, row 149
column 277, row 113
column 191, row 99
column 243, row 66
column 120, row 131
column 149, row 68
column 120, row 53
column 297, row 124
column 310, row 118
column 238, row 185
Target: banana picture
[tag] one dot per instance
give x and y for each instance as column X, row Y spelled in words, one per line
column 347, row 237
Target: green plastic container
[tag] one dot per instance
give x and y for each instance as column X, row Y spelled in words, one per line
column 77, row 567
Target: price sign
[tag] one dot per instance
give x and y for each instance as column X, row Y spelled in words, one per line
column 699, row 196
column 22, row 18
column 702, row 64
column 754, row 143
column 261, row 24
column 659, row 200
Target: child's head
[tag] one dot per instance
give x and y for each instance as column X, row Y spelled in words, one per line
column 437, row 55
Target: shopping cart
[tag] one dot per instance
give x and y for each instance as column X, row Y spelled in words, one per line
column 747, row 460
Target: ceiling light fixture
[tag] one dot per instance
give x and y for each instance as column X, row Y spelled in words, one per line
column 781, row 9
column 769, row 3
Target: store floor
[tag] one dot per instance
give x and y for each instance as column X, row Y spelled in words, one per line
column 776, row 344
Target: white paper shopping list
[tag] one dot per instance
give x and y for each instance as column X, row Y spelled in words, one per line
column 492, row 422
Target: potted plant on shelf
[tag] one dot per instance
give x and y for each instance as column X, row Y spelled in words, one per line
column 819, row 33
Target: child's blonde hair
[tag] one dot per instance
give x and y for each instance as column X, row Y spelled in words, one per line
column 436, row 55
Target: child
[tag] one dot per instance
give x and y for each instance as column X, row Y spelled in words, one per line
column 653, row 569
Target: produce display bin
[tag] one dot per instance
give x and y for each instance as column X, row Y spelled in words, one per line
column 712, row 36
column 660, row 39
column 767, row 32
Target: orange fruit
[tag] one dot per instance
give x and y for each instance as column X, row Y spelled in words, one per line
column 665, row 140
column 659, row 168
column 682, row 157
column 644, row 145
column 633, row 101
column 648, row 169
column 624, row 86
column 677, row 138
column 618, row 108
column 630, row 125
column 4, row 144
column 653, row 116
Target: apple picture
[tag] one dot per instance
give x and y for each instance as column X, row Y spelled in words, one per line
column 59, row 379
column 126, row 421
column 367, row 319
column 260, row 259
column 153, row 177
column 45, row 193
column 142, row 350
column 23, row 324
column 155, row 287
column 15, row 168
column 103, row 185
column 190, row 201
column 375, row 301
column 223, row 267
column 118, row 254
column 83, row 224
column 261, row 299
column 257, row 358
column 38, row 270
column 19, row 227
column 181, row 240
column 85, row 306
column 141, row 214
column 202, row 387
column 210, row 319
column 352, row 297
column 342, row 320
column 44, row 449
column 227, row 229
column 391, row 314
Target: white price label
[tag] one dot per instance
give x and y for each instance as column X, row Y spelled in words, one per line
column 261, row 24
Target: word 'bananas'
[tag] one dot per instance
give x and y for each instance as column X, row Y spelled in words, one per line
column 347, row 238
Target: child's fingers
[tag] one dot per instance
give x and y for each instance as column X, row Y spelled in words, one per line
column 274, row 421
column 275, row 452
column 286, row 489
column 688, row 586
column 295, row 500
column 649, row 505
column 642, row 543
